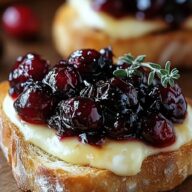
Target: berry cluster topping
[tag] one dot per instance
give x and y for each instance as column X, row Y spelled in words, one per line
column 89, row 97
column 28, row 68
column 172, row 11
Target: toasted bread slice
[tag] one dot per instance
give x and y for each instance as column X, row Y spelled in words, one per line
column 38, row 171
column 159, row 47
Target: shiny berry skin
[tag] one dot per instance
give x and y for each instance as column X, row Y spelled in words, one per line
column 78, row 115
column 86, row 61
column 20, row 22
column 63, row 80
column 107, row 55
column 174, row 103
column 173, row 12
column 116, row 8
column 158, row 131
column 36, row 104
column 129, row 93
column 118, row 128
column 29, row 67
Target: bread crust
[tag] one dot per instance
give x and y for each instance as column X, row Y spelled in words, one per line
column 159, row 47
column 38, row 171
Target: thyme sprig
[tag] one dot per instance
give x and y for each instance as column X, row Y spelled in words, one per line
column 166, row 75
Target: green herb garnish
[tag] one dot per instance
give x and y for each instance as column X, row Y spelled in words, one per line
column 166, row 75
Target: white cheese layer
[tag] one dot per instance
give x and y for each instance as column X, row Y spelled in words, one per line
column 122, row 158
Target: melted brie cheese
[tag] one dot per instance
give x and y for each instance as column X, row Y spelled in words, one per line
column 127, row 27
column 122, row 158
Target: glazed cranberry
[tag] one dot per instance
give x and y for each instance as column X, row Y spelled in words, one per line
column 35, row 104
column 20, row 22
column 150, row 100
column 63, row 80
column 158, row 131
column 116, row 8
column 173, row 11
column 118, row 128
column 174, row 103
column 92, row 138
column 129, row 96
column 78, row 114
column 107, row 55
column 29, row 67
column 86, row 61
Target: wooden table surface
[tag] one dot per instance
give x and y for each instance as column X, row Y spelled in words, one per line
column 44, row 46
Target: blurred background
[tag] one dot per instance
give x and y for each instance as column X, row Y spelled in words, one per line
column 12, row 47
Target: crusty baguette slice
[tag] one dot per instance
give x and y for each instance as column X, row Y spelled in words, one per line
column 38, row 171
column 159, row 47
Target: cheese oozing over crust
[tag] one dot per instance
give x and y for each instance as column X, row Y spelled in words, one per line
column 122, row 158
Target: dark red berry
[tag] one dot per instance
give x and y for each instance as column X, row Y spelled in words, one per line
column 107, row 55
column 115, row 8
column 93, row 110
column 118, row 128
column 77, row 114
column 20, row 22
column 86, row 61
column 173, row 12
column 92, row 138
column 63, row 80
column 158, row 131
column 29, row 67
column 35, row 104
column 129, row 93
column 174, row 103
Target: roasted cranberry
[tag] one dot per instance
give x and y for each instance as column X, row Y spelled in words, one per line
column 116, row 8
column 174, row 103
column 107, row 65
column 173, row 11
column 30, row 66
column 129, row 93
column 20, row 22
column 107, row 55
column 92, row 138
column 117, row 127
column 78, row 114
column 86, row 61
column 158, row 131
column 35, row 104
column 63, row 80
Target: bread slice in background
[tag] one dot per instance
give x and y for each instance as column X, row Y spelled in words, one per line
column 38, row 171
column 159, row 47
